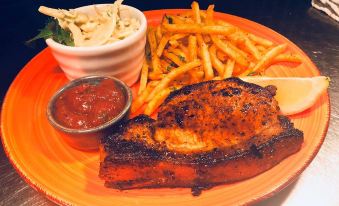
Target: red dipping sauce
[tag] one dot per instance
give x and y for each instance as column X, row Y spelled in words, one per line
column 89, row 105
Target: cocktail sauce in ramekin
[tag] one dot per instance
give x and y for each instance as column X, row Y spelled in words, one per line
column 89, row 105
column 86, row 109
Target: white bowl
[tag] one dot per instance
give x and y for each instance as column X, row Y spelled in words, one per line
column 122, row 59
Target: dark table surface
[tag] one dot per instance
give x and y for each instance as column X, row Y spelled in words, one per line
column 311, row 30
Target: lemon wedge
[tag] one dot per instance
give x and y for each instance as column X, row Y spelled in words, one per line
column 294, row 94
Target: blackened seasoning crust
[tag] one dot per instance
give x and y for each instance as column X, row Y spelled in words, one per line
column 206, row 134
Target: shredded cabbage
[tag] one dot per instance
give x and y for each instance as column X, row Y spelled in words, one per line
column 104, row 27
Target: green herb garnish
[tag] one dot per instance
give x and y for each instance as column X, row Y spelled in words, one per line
column 169, row 19
column 172, row 64
column 148, row 52
column 251, row 73
column 173, row 88
column 182, row 58
column 54, row 31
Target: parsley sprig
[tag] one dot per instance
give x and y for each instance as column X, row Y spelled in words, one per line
column 54, row 31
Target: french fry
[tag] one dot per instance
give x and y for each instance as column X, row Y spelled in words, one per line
column 166, row 65
column 261, row 49
column 247, row 71
column 174, row 43
column 192, row 47
column 216, row 63
column 198, row 29
column 236, row 49
column 177, row 36
column 200, row 74
column 153, row 47
column 221, row 55
column 143, row 77
column 217, row 78
column 178, row 52
column 157, row 101
column 203, row 48
column 174, row 58
column 185, row 19
column 266, row 60
column 229, row 51
column 173, row 19
column 183, row 79
column 155, row 76
column 209, row 14
column 140, row 100
column 206, row 59
column 171, row 76
column 184, row 49
column 156, row 64
column 229, row 68
column 165, row 38
column 158, row 33
column 193, row 77
column 260, row 41
column 196, row 12
column 152, row 40
column 249, row 45
column 287, row 58
column 202, row 14
column 256, row 39
column 224, row 23
column 196, row 76
column 186, row 15
column 236, row 38
column 190, row 14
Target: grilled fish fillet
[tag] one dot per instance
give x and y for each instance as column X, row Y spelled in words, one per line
column 205, row 134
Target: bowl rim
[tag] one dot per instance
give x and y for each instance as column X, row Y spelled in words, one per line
column 127, row 92
column 114, row 45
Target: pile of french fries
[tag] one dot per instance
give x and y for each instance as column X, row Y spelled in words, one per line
column 192, row 47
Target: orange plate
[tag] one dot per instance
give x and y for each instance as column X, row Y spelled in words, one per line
column 68, row 176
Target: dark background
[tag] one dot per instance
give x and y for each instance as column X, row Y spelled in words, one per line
column 20, row 21
column 311, row 30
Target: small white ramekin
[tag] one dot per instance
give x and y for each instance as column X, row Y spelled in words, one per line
column 122, row 59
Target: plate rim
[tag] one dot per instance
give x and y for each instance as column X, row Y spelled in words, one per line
column 58, row 200
column 3, row 134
